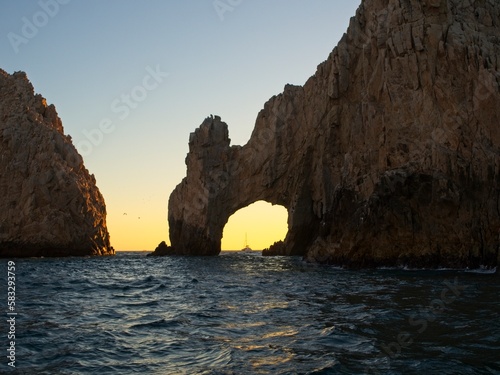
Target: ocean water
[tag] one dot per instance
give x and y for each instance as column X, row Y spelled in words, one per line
column 247, row 314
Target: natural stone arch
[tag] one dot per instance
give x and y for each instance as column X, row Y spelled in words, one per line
column 383, row 157
column 263, row 222
column 222, row 179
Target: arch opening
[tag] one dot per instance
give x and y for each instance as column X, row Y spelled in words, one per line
column 257, row 225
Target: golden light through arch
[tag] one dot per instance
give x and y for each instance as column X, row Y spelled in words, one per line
column 261, row 222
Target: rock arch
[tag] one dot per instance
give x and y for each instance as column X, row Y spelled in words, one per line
column 223, row 179
column 388, row 155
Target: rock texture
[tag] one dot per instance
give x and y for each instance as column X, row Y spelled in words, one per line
column 49, row 203
column 388, row 155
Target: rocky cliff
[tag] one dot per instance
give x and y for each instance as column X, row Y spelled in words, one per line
column 388, row 155
column 49, row 203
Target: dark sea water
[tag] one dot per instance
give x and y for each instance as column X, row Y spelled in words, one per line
column 247, row 314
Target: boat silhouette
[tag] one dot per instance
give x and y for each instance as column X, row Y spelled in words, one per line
column 246, row 248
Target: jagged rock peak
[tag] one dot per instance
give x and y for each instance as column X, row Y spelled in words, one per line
column 212, row 131
column 50, row 204
column 388, row 155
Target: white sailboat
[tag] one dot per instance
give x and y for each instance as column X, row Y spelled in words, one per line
column 246, row 248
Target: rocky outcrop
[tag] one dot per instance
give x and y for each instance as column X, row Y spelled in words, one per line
column 162, row 250
column 388, row 155
column 49, row 203
column 277, row 248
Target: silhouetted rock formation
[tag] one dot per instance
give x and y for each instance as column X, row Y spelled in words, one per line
column 49, row 203
column 161, row 250
column 388, row 155
column 277, row 248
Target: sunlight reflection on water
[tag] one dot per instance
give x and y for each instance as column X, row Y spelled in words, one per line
column 242, row 314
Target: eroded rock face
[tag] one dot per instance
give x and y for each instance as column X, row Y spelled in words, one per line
column 388, row 155
column 49, row 203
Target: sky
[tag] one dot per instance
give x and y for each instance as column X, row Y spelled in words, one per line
column 131, row 79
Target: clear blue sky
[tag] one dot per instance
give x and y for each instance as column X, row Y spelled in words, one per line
column 92, row 60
